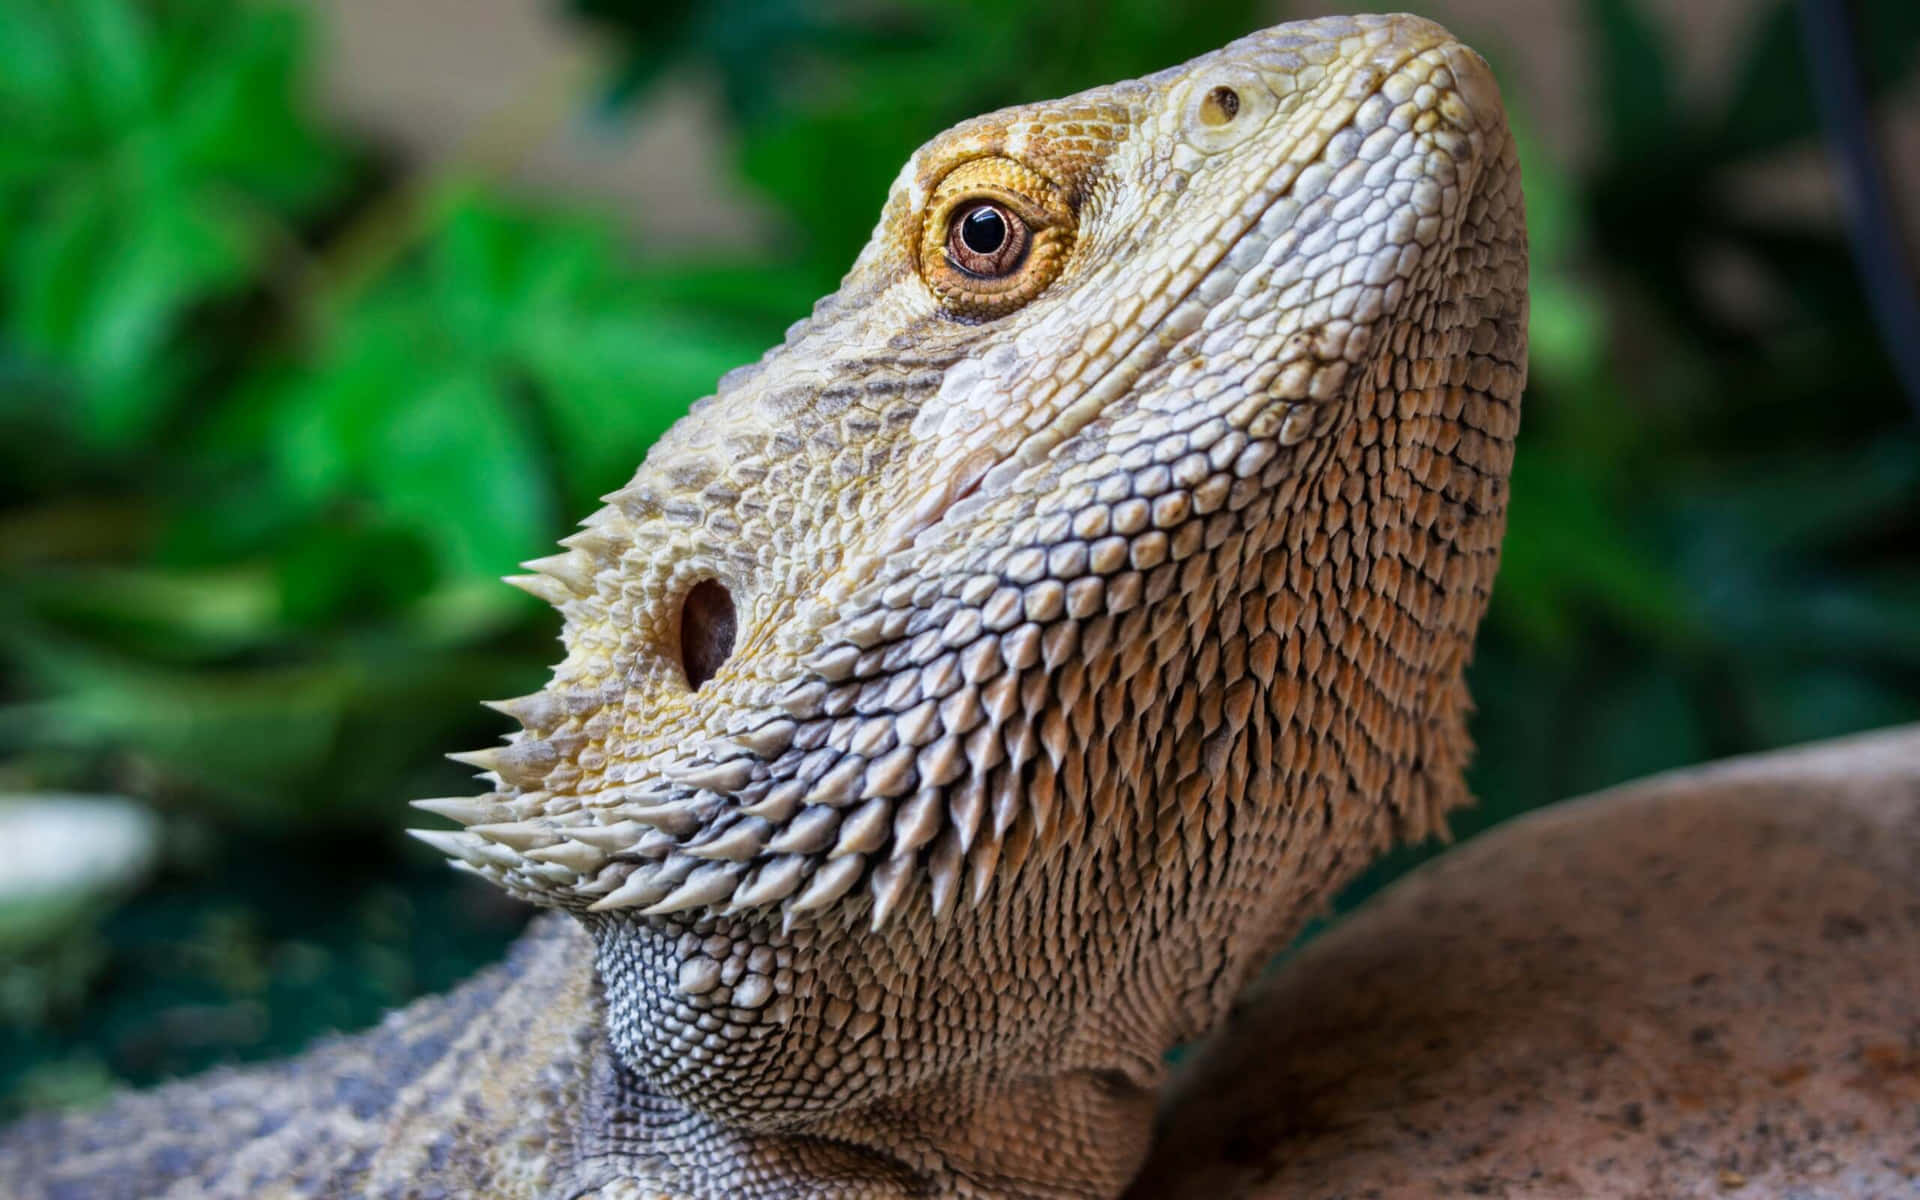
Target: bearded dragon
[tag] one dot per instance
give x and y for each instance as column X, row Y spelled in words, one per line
column 964, row 701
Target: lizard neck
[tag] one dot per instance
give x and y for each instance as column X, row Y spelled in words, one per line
column 1079, row 1135
column 722, row 1109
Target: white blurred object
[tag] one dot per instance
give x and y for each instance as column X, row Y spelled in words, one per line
column 58, row 853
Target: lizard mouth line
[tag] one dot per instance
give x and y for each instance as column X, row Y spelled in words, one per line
column 982, row 475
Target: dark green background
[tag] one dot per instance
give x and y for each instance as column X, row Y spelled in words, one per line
column 275, row 412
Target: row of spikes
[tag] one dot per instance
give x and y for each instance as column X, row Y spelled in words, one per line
column 536, row 860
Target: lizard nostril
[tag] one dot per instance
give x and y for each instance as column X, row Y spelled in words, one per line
column 706, row 631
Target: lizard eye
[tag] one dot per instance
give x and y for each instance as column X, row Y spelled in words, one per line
column 986, row 239
column 997, row 234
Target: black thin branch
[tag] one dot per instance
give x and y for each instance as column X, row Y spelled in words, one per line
column 1878, row 252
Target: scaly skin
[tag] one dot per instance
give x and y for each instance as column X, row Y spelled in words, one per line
column 1091, row 625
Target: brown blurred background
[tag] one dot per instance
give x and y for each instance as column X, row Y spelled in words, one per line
column 422, row 75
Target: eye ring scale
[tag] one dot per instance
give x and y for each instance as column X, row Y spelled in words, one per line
column 996, row 234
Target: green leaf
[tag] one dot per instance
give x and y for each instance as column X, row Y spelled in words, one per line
column 246, row 124
column 117, row 46
column 1567, row 331
column 1571, row 556
column 613, row 381
column 456, row 461
column 352, row 571
column 168, row 615
column 155, row 153
column 434, row 443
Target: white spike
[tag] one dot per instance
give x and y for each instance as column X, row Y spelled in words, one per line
column 468, row 810
column 943, row 869
column 552, row 874
column 462, row 847
column 526, row 763
column 865, row 830
column 609, row 878
column 500, row 856
column 677, row 819
column 520, row 835
column 770, row 739
column 577, row 857
column 707, row 886
column 575, row 571
column 772, row 882
column 487, row 760
column 542, row 587
column 492, row 876
column 711, row 776
column 917, row 820
column 889, row 885
column 643, row 886
column 611, row 838
column 830, row 881
column 536, row 710
column 597, row 544
column 737, row 843
column 809, row 833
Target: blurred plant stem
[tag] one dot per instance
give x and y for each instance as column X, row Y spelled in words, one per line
column 488, row 153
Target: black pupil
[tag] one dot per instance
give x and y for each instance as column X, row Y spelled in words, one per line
column 984, row 231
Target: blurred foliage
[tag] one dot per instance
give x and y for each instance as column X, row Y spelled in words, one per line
column 1717, row 497
column 274, row 414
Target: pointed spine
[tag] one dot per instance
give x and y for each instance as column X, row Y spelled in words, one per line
column 467, row 810
column 708, row 885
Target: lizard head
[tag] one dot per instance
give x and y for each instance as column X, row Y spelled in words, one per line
column 1095, row 569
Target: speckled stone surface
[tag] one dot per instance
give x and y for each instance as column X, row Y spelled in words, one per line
column 1706, row 984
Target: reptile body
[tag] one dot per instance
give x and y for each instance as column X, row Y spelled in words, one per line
column 963, row 702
